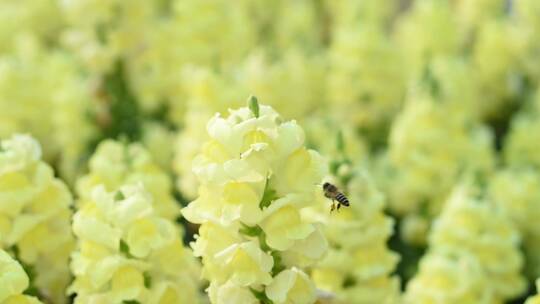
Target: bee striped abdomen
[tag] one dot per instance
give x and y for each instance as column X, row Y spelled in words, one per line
column 332, row 192
column 342, row 199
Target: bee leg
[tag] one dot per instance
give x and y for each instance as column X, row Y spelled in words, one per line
column 332, row 207
column 338, row 206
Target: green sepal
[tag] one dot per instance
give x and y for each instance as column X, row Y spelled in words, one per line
column 253, row 105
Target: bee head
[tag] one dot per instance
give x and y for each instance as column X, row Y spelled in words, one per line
column 326, row 185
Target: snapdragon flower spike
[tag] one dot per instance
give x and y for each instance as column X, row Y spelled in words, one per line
column 35, row 215
column 256, row 177
column 359, row 265
column 366, row 82
column 469, row 231
column 520, row 149
column 65, row 131
column 115, row 163
column 13, row 282
column 425, row 164
column 128, row 252
column 449, row 278
column 516, row 192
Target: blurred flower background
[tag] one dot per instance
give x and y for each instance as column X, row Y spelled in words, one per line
column 126, row 178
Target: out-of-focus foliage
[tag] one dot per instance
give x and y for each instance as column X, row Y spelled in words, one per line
column 405, row 100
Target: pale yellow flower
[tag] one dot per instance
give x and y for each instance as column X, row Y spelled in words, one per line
column 414, row 33
column 291, row 286
column 358, row 265
column 35, row 215
column 256, row 178
column 519, row 148
column 449, row 278
column 366, row 82
column 21, row 299
column 127, row 251
column 498, row 80
column 244, row 264
column 230, row 292
column 13, row 278
column 473, row 232
column 283, row 224
column 114, row 164
column 65, row 130
column 423, row 163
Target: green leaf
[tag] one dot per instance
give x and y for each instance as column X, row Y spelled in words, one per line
column 119, row 196
column 349, row 281
column 340, row 142
column 278, row 263
column 423, row 209
column 334, row 166
column 261, row 296
column 269, row 195
column 430, row 82
column 101, row 33
column 254, row 231
column 253, row 105
column 147, row 280
column 262, row 242
column 126, row 115
column 124, row 248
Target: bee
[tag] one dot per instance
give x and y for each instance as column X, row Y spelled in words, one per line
column 332, row 192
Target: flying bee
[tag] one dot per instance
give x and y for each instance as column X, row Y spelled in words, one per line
column 333, row 193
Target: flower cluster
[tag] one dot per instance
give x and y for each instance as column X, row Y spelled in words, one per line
column 295, row 77
column 366, row 82
column 470, row 15
column 358, row 265
column 520, row 150
column 370, row 11
column 157, row 139
column 41, row 18
column 516, row 192
column 35, row 215
column 414, row 34
column 188, row 144
column 255, row 178
column 471, row 234
column 428, row 149
column 127, row 252
column 449, row 278
column 337, row 140
column 515, row 189
column 422, row 94
column 499, row 79
column 527, row 30
column 115, row 164
column 54, row 116
column 102, row 33
column 14, row 282
column 208, row 92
